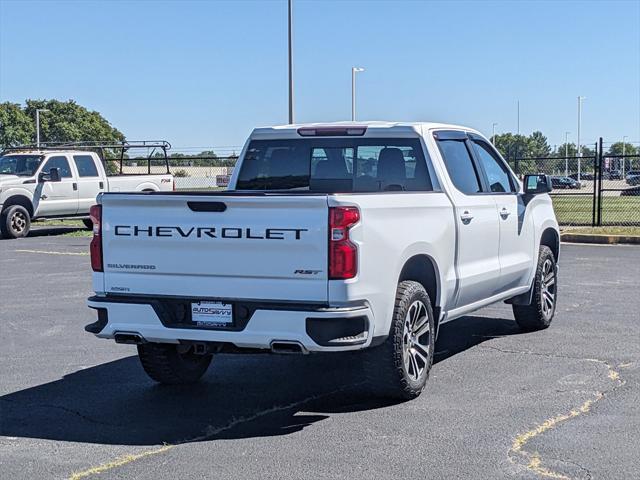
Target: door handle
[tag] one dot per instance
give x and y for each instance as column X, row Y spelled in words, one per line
column 75, row 186
column 504, row 213
column 466, row 217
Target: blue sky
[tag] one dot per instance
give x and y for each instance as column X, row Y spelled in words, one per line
column 204, row 73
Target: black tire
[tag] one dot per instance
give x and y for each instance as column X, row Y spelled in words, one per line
column 389, row 369
column 15, row 222
column 88, row 223
column 164, row 363
column 539, row 314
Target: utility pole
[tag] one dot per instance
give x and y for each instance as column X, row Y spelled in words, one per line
column 566, row 154
column 290, row 64
column 580, row 99
column 518, row 130
column 624, row 149
column 38, row 110
column 493, row 137
column 354, row 70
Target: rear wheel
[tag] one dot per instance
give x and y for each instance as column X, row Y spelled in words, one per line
column 399, row 368
column 539, row 314
column 172, row 364
column 15, row 222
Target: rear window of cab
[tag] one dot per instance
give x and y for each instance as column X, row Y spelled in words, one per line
column 336, row 165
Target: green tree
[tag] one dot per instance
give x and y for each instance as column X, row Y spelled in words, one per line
column 15, row 125
column 540, row 150
column 538, row 146
column 566, row 150
column 69, row 122
column 587, row 151
column 514, row 148
column 617, row 149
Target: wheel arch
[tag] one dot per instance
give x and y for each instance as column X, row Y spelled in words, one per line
column 19, row 200
column 423, row 269
column 551, row 239
column 147, row 187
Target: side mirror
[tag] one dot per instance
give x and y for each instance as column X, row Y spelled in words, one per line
column 537, row 184
column 52, row 176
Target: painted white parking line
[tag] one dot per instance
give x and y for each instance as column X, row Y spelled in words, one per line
column 46, row 252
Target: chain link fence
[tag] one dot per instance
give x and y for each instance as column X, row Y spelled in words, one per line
column 190, row 173
column 598, row 190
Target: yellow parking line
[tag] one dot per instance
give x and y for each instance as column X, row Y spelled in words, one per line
column 118, row 462
column 46, row 252
column 209, row 433
column 534, row 460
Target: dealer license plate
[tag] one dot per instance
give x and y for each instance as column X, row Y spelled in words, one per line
column 212, row 314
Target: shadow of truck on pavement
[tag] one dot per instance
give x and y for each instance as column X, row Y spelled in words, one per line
column 116, row 403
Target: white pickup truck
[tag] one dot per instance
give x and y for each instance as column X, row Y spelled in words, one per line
column 330, row 238
column 58, row 183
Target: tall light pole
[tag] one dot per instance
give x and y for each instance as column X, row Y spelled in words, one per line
column 290, row 64
column 38, row 110
column 354, row 70
column 580, row 99
column 518, row 117
column 624, row 149
column 566, row 154
column 493, row 137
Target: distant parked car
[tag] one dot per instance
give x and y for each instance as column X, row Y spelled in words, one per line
column 629, row 192
column 583, row 176
column 633, row 177
column 615, row 175
column 564, row 182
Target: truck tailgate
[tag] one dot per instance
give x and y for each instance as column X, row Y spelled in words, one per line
column 216, row 246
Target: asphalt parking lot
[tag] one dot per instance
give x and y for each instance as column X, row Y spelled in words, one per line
column 562, row 403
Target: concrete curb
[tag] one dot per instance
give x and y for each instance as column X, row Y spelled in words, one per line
column 602, row 239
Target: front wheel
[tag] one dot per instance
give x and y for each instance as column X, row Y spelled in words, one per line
column 172, row 364
column 15, row 222
column 399, row 368
column 539, row 314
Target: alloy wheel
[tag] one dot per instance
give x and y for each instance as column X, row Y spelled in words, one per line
column 548, row 288
column 416, row 341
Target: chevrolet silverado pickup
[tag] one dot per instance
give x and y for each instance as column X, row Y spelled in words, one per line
column 41, row 183
column 335, row 237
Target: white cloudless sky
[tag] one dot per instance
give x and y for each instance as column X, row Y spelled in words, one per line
column 204, row 73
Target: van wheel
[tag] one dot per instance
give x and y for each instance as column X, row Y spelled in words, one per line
column 539, row 314
column 399, row 368
column 172, row 364
column 88, row 223
column 15, row 222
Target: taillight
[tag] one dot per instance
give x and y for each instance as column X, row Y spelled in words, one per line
column 95, row 212
column 343, row 253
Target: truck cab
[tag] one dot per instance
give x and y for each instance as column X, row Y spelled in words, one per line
column 59, row 183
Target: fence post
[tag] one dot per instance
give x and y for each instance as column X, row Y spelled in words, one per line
column 599, row 182
column 594, row 207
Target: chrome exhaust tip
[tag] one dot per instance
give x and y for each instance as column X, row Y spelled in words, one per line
column 129, row 338
column 288, row 347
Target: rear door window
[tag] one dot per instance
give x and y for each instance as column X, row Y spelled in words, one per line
column 85, row 165
column 460, row 166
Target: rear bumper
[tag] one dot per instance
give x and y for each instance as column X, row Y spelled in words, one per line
column 316, row 329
